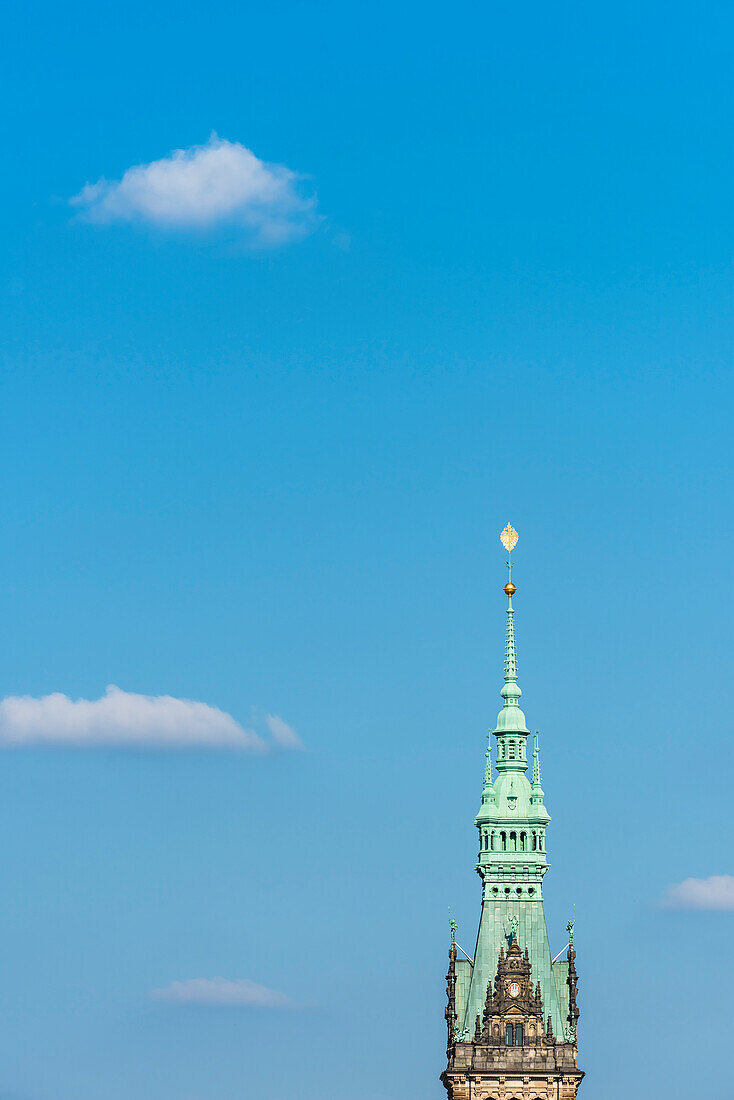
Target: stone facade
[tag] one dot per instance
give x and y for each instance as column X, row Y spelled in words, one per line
column 513, row 1054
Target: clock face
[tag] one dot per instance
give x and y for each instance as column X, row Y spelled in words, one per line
column 514, row 989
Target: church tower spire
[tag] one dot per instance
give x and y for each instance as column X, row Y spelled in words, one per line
column 514, row 717
column 537, row 794
column 524, row 1031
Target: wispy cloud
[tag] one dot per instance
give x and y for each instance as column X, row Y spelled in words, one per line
column 283, row 734
column 714, row 893
column 222, row 993
column 203, row 187
column 122, row 718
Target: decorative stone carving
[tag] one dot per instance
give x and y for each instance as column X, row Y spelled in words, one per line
column 513, row 1054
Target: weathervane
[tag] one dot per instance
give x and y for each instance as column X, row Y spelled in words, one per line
column 509, row 538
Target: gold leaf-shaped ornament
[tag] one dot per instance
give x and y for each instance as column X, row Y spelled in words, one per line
column 509, row 538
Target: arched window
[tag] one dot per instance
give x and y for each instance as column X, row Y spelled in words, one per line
column 509, row 1035
column 535, row 842
column 491, row 843
column 503, row 836
column 523, row 841
column 512, row 750
column 518, row 1035
column 513, row 842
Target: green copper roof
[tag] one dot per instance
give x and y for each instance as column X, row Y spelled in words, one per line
column 537, row 796
column 488, row 796
column 511, row 717
column 512, row 822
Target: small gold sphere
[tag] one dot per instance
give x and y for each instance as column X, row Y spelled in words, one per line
column 510, row 589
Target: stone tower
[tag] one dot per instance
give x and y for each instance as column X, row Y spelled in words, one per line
column 512, row 1010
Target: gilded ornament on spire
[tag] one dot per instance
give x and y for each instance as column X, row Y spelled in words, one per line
column 509, row 538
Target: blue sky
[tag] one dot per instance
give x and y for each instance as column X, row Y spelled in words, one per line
column 476, row 267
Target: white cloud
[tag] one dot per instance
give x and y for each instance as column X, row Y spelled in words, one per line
column 222, row 993
column 283, row 734
column 714, row 893
column 122, row 718
column 219, row 183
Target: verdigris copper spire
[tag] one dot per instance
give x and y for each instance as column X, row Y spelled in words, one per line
column 512, row 822
column 488, row 789
column 510, row 718
column 537, row 795
column 512, row 1006
column 509, row 539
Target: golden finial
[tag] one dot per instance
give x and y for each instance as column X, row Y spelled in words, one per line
column 509, row 538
